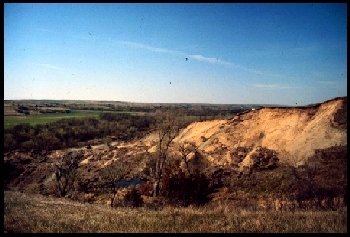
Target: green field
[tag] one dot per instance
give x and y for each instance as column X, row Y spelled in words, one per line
column 34, row 119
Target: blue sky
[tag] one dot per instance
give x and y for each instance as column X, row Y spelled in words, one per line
column 236, row 53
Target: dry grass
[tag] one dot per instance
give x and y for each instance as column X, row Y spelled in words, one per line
column 24, row 213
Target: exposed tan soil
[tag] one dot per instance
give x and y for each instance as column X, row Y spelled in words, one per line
column 266, row 136
column 291, row 132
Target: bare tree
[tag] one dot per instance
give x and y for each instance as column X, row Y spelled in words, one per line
column 167, row 127
column 114, row 173
column 305, row 173
column 185, row 150
column 66, row 172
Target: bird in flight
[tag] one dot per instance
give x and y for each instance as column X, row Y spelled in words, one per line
column 186, row 59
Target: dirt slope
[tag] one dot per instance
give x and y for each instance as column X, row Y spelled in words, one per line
column 291, row 132
column 258, row 137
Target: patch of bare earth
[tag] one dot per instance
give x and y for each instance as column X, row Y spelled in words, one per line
column 259, row 135
column 291, row 132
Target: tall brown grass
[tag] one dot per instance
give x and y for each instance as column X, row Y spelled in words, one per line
column 29, row 213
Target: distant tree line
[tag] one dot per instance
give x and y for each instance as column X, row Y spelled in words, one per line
column 66, row 133
column 71, row 132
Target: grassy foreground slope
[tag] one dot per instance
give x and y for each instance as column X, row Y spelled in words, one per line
column 28, row 213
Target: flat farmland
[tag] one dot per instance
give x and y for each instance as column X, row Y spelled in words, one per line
column 34, row 119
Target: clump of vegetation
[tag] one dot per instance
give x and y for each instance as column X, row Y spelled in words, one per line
column 133, row 198
column 179, row 185
column 65, row 170
column 66, row 133
column 185, row 183
column 113, row 174
column 124, row 121
column 182, row 190
column 320, row 183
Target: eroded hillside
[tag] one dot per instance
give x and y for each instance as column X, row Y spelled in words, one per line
column 294, row 133
column 260, row 139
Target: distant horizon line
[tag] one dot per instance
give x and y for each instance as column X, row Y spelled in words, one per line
column 170, row 103
column 129, row 102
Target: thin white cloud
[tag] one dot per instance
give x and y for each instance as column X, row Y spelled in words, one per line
column 336, row 84
column 150, row 48
column 272, row 86
column 252, row 70
column 204, row 59
column 212, row 60
column 174, row 52
column 197, row 57
column 229, row 64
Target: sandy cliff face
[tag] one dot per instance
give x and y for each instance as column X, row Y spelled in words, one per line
column 291, row 132
column 256, row 139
